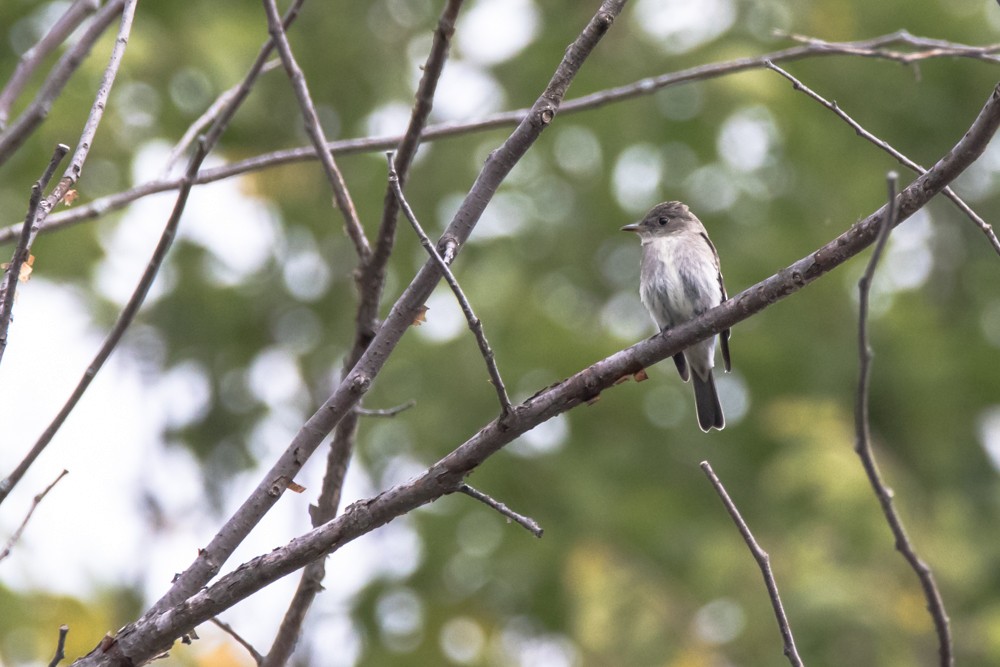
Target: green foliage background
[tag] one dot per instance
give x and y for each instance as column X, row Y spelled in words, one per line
column 639, row 565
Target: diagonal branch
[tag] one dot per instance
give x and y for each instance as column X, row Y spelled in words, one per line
column 863, row 445
column 154, row 632
column 763, row 561
column 475, row 325
column 315, row 131
column 885, row 146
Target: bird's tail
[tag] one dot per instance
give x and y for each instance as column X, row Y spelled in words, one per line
column 706, row 402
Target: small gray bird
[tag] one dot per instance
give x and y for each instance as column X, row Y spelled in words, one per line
column 679, row 280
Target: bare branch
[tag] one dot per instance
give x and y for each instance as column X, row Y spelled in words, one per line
column 763, row 561
column 874, row 48
column 155, row 631
column 525, row 522
column 885, row 146
column 228, row 629
column 475, row 325
column 315, row 131
column 60, row 646
column 19, row 131
column 863, row 445
column 64, row 26
column 22, row 251
column 35, row 502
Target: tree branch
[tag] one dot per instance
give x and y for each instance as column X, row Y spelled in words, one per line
column 315, row 131
column 153, row 632
column 23, row 249
column 873, row 48
column 763, row 561
column 475, row 325
column 863, row 446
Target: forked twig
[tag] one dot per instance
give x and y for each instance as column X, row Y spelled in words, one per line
column 475, row 324
column 863, row 446
column 763, row 561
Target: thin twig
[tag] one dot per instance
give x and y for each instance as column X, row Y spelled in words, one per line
column 475, row 325
column 35, row 502
column 763, row 561
column 386, row 412
column 315, row 131
column 986, row 228
column 874, row 48
column 64, row 26
column 117, row 331
column 228, row 629
column 23, row 249
column 525, row 522
column 29, row 120
column 863, row 445
column 60, row 646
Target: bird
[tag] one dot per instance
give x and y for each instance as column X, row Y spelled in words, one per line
column 680, row 278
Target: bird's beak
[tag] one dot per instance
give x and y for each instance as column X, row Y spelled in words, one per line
column 634, row 227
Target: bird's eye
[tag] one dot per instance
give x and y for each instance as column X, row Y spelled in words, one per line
column 663, row 221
